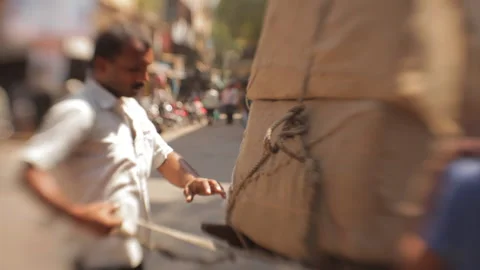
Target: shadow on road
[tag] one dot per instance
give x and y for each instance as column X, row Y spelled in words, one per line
column 188, row 218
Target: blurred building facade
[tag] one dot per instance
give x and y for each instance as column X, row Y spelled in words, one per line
column 186, row 34
column 44, row 49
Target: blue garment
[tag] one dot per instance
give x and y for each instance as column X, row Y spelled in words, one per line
column 454, row 229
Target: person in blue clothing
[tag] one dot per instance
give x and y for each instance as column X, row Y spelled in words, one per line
column 452, row 235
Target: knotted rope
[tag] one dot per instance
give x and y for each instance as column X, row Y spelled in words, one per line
column 295, row 123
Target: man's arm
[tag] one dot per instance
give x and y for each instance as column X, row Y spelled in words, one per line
column 45, row 187
column 178, row 172
column 428, row 261
column 98, row 217
column 417, row 256
column 64, row 127
column 448, row 206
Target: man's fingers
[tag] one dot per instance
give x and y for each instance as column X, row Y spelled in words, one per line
column 206, row 187
column 449, row 150
column 217, row 188
column 113, row 207
column 187, row 192
column 113, row 221
column 470, row 142
column 103, row 205
column 111, row 217
column 117, row 221
column 464, row 145
column 203, row 187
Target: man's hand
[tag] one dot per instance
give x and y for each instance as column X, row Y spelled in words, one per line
column 450, row 149
column 178, row 172
column 204, row 187
column 98, row 217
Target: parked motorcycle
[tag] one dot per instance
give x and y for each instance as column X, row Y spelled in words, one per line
column 196, row 112
column 171, row 115
column 155, row 118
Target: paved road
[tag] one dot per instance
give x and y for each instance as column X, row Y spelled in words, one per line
column 30, row 241
column 212, row 151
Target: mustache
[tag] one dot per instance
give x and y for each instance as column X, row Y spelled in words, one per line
column 137, row 85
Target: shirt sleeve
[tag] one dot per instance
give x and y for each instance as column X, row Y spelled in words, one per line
column 161, row 151
column 455, row 216
column 65, row 125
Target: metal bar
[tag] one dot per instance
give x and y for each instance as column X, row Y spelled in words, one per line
column 186, row 237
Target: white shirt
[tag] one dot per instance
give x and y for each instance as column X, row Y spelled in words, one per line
column 101, row 149
column 211, row 100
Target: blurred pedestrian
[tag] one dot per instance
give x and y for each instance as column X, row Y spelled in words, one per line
column 243, row 105
column 230, row 98
column 211, row 102
column 450, row 239
column 6, row 127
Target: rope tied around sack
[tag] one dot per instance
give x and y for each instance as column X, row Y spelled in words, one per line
column 294, row 123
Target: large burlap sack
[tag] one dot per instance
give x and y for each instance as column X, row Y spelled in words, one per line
column 368, row 154
column 355, row 48
column 362, row 50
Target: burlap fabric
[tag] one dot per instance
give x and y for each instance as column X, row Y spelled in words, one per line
column 349, row 209
column 370, row 49
column 382, row 84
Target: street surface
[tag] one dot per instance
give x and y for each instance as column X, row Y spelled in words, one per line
column 31, row 237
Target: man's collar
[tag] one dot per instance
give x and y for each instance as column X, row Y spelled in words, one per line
column 101, row 96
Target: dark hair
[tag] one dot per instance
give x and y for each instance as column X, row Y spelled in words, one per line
column 110, row 42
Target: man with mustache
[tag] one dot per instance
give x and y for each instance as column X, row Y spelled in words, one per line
column 92, row 156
